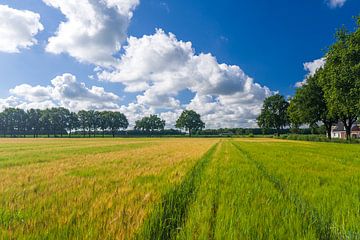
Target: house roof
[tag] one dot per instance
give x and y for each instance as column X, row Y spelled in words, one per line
column 340, row 127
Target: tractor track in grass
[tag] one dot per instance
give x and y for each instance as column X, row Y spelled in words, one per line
column 215, row 206
column 167, row 218
column 310, row 215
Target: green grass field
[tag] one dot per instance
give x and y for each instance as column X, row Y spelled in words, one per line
column 178, row 189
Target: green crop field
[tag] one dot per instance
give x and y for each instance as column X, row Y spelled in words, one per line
column 178, row 189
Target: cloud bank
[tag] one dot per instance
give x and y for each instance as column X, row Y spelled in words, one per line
column 160, row 66
column 64, row 91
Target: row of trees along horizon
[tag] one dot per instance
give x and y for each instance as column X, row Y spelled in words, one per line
column 60, row 121
column 329, row 96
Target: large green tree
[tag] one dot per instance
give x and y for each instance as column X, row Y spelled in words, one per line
column 117, row 121
column 274, row 113
column 59, row 119
column 73, row 122
column 93, row 121
column 150, row 124
column 84, row 121
column 21, row 121
column 190, row 121
column 45, row 120
column 64, row 118
column 2, row 124
column 309, row 106
column 342, row 82
column 104, row 121
column 9, row 119
column 34, row 121
column 16, row 121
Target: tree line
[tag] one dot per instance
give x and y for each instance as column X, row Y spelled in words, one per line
column 61, row 121
column 329, row 96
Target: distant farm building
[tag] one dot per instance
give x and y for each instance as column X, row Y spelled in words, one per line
column 338, row 131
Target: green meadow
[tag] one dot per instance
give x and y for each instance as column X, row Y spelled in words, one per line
column 178, row 188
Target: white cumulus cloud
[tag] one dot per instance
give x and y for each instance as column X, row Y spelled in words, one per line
column 17, row 29
column 64, row 91
column 311, row 68
column 160, row 66
column 93, row 30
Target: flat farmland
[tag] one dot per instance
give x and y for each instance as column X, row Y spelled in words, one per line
column 179, row 188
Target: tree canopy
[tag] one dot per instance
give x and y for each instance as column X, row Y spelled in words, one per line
column 150, row 124
column 341, row 83
column 59, row 121
column 309, row 106
column 274, row 113
column 190, row 121
column 333, row 92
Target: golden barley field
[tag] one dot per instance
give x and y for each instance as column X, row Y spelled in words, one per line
column 178, row 188
column 87, row 188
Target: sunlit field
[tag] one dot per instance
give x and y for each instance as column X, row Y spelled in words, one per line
column 178, row 189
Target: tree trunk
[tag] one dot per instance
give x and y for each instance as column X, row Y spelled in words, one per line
column 190, row 133
column 348, row 131
column 348, row 123
column 328, row 130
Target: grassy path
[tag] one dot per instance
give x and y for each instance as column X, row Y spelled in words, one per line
column 226, row 197
column 170, row 214
column 238, row 202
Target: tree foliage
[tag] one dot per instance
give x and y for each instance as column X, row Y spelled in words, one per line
column 342, row 82
column 333, row 93
column 59, row 121
column 150, row 124
column 309, row 106
column 274, row 113
column 190, row 121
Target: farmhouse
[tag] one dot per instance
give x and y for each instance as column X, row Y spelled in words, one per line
column 338, row 131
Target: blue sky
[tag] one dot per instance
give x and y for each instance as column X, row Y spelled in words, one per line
column 269, row 41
